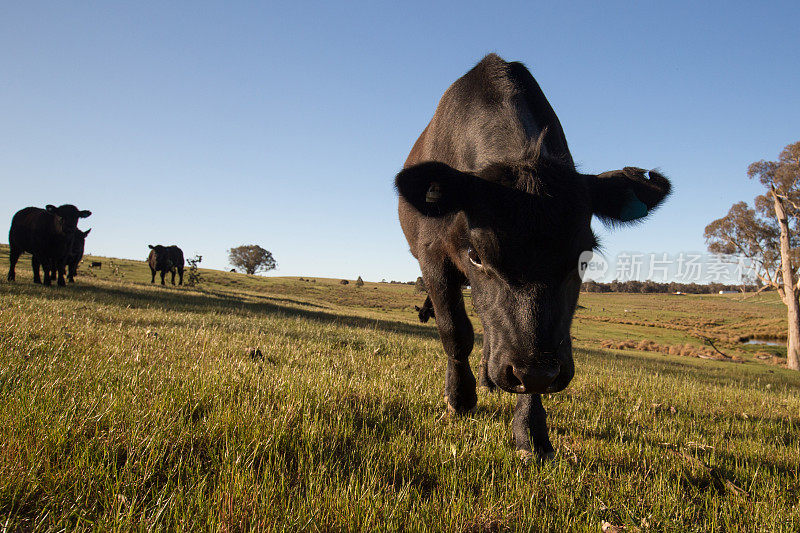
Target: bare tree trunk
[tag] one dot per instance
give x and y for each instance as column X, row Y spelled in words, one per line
column 793, row 344
column 789, row 293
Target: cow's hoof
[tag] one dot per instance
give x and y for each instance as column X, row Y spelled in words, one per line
column 528, row 457
column 548, row 457
column 458, row 410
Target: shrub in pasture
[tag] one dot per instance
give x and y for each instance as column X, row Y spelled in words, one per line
column 195, row 278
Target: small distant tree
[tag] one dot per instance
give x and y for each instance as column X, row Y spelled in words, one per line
column 251, row 258
column 359, row 282
column 420, row 285
column 194, row 277
column 769, row 235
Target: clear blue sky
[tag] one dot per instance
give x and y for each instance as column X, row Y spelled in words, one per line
column 211, row 125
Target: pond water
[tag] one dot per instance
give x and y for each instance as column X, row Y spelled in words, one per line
column 767, row 342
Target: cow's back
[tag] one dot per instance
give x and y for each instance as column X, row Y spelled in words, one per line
column 491, row 114
column 38, row 232
column 23, row 225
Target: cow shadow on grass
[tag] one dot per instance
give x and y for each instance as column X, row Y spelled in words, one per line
column 145, row 297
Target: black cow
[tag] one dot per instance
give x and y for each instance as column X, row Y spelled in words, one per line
column 48, row 235
column 75, row 254
column 425, row 312
column 165, row 259
column 490, row 196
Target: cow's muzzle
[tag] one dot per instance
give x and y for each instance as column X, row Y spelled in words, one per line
column 537, row 378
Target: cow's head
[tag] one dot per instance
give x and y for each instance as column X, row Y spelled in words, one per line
column 516, row 231
column 79, row 243
column 69, row 214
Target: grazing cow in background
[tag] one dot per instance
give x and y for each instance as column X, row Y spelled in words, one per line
column 165, row 259
column 425, row 312
column 48, row 235
column 490, row 196
column 75, row 254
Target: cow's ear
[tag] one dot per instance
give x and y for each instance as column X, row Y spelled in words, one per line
column 85, row 233
column 627, row 195
column 51, row 209
column 84, row 214
column 151, row 246
column 434, row 189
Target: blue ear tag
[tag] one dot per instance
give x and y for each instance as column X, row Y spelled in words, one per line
column 633, row 208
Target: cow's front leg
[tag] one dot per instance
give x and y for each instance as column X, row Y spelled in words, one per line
column 530, row 428
column 61, row 269
column 457, row 337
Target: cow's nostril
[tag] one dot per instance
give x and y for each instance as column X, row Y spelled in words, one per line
column 513, row 380
column 511, row 377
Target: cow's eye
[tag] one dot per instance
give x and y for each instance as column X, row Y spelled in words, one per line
column 474, row 257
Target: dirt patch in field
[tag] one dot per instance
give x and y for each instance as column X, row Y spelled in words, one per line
column 770, row 358
column 733, row 331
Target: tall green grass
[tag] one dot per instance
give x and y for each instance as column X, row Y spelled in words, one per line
column 125, row 406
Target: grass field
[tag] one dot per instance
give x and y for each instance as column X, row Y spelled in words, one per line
column 130, row 406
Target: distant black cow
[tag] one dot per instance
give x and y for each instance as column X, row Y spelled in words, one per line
column 425, row 312
column 48, row 235
column 166, row 259
column 75, row 254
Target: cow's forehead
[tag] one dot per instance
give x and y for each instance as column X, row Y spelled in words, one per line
column 531, row 216
column 68, row 210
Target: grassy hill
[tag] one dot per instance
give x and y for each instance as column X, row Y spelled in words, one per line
column 126, row 405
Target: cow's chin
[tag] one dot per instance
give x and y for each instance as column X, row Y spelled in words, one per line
column 559, row 384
